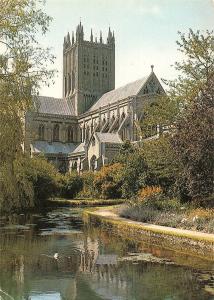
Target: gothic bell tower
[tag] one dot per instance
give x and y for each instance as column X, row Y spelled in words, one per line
column 88, row 69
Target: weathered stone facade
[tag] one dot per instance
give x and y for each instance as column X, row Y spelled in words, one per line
column 85, row 129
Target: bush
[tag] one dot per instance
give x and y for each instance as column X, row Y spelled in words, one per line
column 134, row 173
column 88, row 189
column 149, row 193
column 43, row 177
column 70, row 185
column 107, row 182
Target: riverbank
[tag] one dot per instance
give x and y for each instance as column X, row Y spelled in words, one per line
column 185, row 241
column 60, row 202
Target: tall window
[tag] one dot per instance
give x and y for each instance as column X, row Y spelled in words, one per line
column 65, row 85
column 41, row 132
column 87, row 133
column 70, row 134
column 56, row 133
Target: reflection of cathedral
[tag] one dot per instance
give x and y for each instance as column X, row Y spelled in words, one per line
column 85, row 128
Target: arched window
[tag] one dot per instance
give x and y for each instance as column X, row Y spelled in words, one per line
column 56, row 133
column 41, row 132
column 65, row 86
column 93, row 163
column 122, row 116
column 73, row 81
column 69, row 83
column 87, row 133
column 93, row 141
column 70, row 134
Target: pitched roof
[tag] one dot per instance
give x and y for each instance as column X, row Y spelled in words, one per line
column 52, row 148
column 130, row 89
column 79, row 148
column 109, row 137
column 50, row 105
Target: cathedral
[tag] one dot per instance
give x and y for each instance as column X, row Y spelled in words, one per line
column 85, row 128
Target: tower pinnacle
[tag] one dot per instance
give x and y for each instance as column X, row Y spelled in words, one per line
column 91, row 38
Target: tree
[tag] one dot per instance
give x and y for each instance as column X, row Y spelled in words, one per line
column 193, row 140
column 133, row 175
column 187, row 112
column 163, row 167
column 23, row 67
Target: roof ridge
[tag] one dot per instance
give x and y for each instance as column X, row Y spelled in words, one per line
column 50, row 97
column 125, row 91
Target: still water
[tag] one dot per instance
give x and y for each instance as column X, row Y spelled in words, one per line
column 53, row 256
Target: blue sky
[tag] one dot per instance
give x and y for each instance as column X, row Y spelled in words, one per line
column 145, row 32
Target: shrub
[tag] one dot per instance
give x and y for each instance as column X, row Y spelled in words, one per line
column 70, row 185
column 134, row 173
column 88, row 189
column 149, row 193
column 43, row 176
column 107, row 182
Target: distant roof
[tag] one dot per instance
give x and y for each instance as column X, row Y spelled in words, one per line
column 52, row 148
column 109, row 137
column 79, row 148
column 56, row 106
column 130, row 89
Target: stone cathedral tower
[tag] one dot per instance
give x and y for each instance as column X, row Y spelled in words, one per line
column 88, row 69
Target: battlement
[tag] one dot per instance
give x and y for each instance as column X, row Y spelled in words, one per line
column 69, row 42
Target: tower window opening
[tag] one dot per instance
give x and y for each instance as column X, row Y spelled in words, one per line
column 70, row 134
column 56, row 133
column 41, row 132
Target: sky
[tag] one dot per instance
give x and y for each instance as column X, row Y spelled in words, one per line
column 145, row 32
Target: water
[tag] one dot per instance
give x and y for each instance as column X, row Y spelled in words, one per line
column 92, row 265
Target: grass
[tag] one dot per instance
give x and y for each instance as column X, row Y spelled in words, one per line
column 125, row 226
column 83, row 202
column 181, row 217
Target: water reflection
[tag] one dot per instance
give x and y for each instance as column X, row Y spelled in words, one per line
column 92, row 264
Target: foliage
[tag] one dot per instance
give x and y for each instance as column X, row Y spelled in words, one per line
column 23, row 67
column 149, row 193
column 162, row 111
column 187, row 113
column 107, row 181
column 193, row 139
column 134, row 172
column 11, row 197
column 37, row 181
column 173, row 215
column 88, row 190
column 43, row 176
column 70, row 185
column 162, row 163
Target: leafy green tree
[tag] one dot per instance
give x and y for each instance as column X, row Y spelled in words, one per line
column 193, row 139
column 134, row 172
column 70, row 184
column 23, row 67
column 88, row 189
column 163, row 167
column 187, row 112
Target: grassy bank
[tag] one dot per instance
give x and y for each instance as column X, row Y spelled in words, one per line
column 83, row 202
column 183, row 217
column 185, row 241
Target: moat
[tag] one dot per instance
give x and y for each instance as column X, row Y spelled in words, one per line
column 54, row 256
